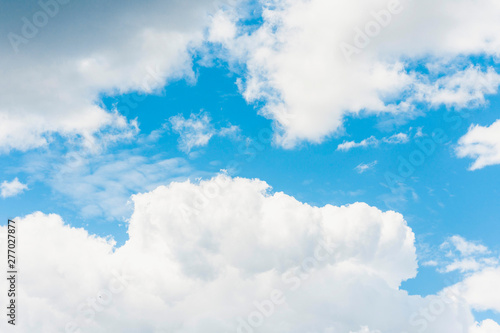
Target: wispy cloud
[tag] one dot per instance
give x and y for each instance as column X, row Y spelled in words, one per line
column 100, row 185
column 372, row 141
column 197, row 130
column 348, row 145
column 460, row 254
column 365, row 167
column 465, row 247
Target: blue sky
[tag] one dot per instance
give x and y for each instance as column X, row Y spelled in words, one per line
column 441, row 198
column 274, row 108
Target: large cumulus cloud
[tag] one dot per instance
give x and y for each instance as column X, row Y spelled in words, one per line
column 228, row 255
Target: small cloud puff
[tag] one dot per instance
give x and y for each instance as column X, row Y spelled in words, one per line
column 12, row 188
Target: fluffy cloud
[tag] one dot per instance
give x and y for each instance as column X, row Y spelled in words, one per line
column 481, row 289
column 60, row 57
column 227, row 255
column 315, row 62
column 462, row 89
column 487, row 326
column 12, row 188
column 481, row 143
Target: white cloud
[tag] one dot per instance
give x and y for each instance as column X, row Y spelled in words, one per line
column 462, row 89
column 486, row 326
column 231, row 131
column 295, row 63
column 397, row 138
column 54, row 82
column 222, row 29
column 193, row 132
column 467, row 248
column 481, row 289
column 203, row 257
column 12, row 188
column 481, row 143
column 419, row 132
column 348, row 145
column 470, row 265
column 430, row 263
column 465, row 256
column 365, row 167
column 196, row 131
